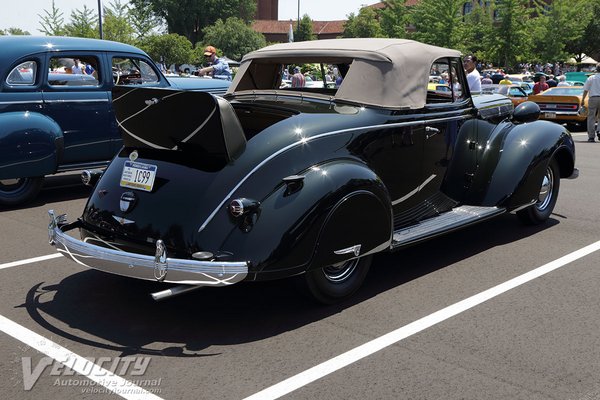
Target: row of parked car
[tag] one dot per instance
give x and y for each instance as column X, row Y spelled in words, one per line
column 267, row 182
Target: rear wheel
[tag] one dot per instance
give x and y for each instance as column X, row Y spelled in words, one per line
column 543, row 207
column 19, row 190
column 337, row 282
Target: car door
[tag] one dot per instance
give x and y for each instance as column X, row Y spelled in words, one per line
column 78, row 100
column 448, row 117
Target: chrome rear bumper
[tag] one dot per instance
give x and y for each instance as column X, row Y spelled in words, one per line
column 153, row 268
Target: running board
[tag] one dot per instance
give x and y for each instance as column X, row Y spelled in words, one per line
column 443, row 223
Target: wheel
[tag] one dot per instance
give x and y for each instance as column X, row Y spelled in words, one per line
column 334, row 283
column 541, row 210
column 19, row 190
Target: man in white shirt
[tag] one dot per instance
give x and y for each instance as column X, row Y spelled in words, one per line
column 592, row 87
column 473, row 77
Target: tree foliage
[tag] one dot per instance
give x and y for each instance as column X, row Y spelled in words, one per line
column 168, row 49
column 438, row 22
column 233, row 38
column 588, row 42
column 116, row 25
column 513, row 38
column 304, row 30
column 394, row 18
column 143, row 20
column 190, row 17
column 477, row 32
column 13, row 32
column 83, row 23
column 363, row 25
column 52, row 22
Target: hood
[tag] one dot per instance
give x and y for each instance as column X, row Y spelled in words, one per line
column 214, row 86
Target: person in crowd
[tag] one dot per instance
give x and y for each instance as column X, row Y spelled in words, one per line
column 551, row 81
column 218, row 68
column 77, row 68
column 473, row 77
column 486, row 80
column 591, row 87
column 298, row 80
column 540, row 85
column 505, row 81
column 562, row 81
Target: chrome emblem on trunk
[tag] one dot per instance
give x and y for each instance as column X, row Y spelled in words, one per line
column 128, row 200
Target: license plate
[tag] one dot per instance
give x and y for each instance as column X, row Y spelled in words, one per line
column 138, row 175
column 550, row 115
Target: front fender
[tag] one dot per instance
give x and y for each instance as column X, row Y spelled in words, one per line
column 31, row 144
column 513, row 160
column 294, row 228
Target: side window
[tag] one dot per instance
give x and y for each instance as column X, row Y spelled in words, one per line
column 23, row 74
column 458, row 80
column 74, row 71
column 133, row 71
column 439, row 88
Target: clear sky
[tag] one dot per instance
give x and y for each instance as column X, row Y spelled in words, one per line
column 25, row 14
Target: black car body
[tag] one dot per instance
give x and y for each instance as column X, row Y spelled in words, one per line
column 54, row 118
column 270, row 183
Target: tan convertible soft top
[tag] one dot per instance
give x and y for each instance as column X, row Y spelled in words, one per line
column 391, row 73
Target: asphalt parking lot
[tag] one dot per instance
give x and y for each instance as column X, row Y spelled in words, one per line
column 495, row 311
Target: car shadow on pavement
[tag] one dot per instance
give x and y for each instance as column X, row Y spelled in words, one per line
column 120, row 312
column 56, row 189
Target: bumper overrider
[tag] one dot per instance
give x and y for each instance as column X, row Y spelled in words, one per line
column 159, row 268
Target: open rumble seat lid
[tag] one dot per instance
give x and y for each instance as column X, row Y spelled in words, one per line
column 167, row 119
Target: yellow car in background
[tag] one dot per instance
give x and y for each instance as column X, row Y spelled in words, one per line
column 561, row 104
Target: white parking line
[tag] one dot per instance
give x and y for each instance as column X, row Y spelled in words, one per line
column 30, row 260
column 358, row 353
column 79, row 364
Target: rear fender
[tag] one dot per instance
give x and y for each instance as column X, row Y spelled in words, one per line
column 337, row 205
column 31, row 145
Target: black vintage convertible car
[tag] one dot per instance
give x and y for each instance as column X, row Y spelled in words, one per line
column 268, row 183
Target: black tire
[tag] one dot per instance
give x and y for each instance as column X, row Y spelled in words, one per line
column 20, row 190
column 334, row 283
column 542, row 209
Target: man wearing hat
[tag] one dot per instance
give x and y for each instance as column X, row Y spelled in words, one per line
column 298, row 80
column 218, row 69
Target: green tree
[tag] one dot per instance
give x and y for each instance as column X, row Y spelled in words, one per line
column 588, row 42
column 143, row 21
column 83, row 23
column 233, row 38
column 116, row 23
column 168, row 49
column 560, row 19
column 14, row 32
column 438, row 22
column 394, row 18
column 513, row 39
column 190, row 17
column 304, row 30
column 52, row 22
column 363, row 25
column 477, row 32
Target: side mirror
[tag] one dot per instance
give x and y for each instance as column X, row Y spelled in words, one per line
column 526, row 112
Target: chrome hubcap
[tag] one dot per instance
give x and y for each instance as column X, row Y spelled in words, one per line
column 340, row 272
column 545, row 196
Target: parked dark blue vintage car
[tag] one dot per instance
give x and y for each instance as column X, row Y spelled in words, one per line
column 274, row 182
column 55, row 105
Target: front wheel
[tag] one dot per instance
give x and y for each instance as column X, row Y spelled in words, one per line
column 543, row 207
column 19, row 190
column 334, row 283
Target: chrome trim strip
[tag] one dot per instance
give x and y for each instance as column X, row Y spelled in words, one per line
column 22, row 102
column 322, row 135
column 103, row 100
column 415, row 191
column 183, row 271
column 550, row 111
column 349, row 250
